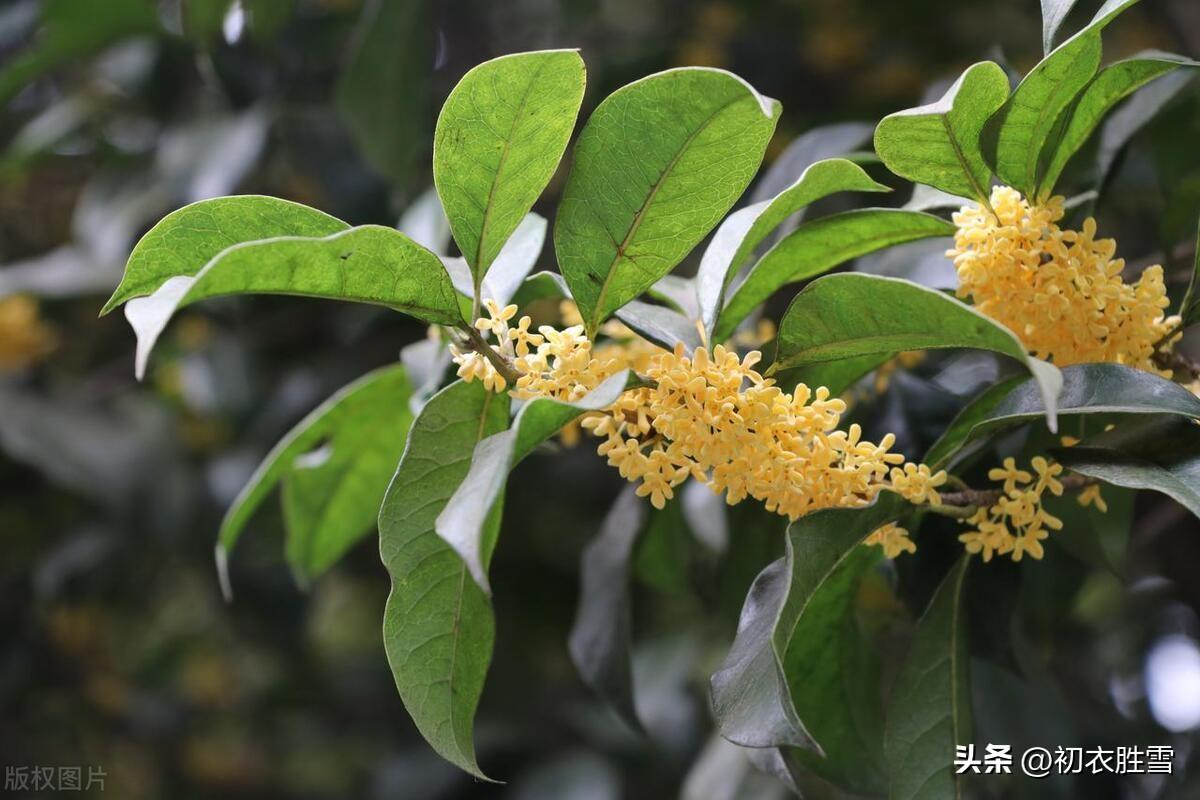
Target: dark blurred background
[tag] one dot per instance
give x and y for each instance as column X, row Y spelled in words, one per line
column 116, row 649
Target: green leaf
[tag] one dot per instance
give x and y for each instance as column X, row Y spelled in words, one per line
column 367, row 264
column 1189, row 310
column 66, row 34
column 499, row 139
column 755, row 701
column 335, row 465
column 938, row 144
column 509, row 269
column 850, row 315
column 601, row 633
column 749, row 693
column 819, row 246
column 381, row 92
column 1114, row 83
column 1087, row 389
column 438, row 626
column 930, row 709
column 657, row 165
column 462, row 523
column 836, row 376
column 1160, row 453
column 185, row 240
column 977, row 410
column 742, row 232
column 832, row 672
column 1016, row 135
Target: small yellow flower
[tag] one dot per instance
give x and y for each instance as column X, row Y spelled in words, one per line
column 1091, row 496
column 1009, row 474
column 893, row 539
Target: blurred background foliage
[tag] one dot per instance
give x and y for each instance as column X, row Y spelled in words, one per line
column 117, row 649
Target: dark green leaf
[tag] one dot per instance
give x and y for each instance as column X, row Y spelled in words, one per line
column 335, row 466
column 850, row 315
column 938, row 144
column 979, row 409
column 1087, row 389
column 929, row 713
column 819, row 246
column 438, row 627
column 367, row 264
column 601, row 634
column 381, row 92
column 1160, row 453
column 658, row 165
column 752, row 700
column 498, row 141
column 462, row 523
column 743, row 231
column 750, row 694
column 1114, row 83
column 832, row 672
column 184, row 241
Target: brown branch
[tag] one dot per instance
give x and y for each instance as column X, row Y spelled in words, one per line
column 965, row 503
column 503, row 366
column 1175, row 361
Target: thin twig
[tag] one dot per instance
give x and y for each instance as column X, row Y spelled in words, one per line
column 965, row 503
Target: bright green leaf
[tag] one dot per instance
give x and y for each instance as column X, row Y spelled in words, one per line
column 849, row 315
column 1017, row 135
column 657, row 166
column 819, row 246
column 836, row 376
column 367, row 264
column 509, row 269
column 462, row 523
column 185, row 240
column 742, row 232
column 930, row 710
column 335, row 465
column 438, row 626
column 1114, row 83
column 1160, row 453
column 938, row 144
column 498, row 141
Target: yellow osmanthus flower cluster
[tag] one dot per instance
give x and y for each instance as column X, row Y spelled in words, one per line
column 1016, row 523
column 1059, row 290
column 711, row 417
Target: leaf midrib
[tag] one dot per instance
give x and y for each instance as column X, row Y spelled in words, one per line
column 480, row 269
column 640, row 214
column 462, row 576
